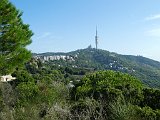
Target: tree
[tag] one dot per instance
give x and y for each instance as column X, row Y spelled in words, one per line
column 109, row 85
column 14, row 37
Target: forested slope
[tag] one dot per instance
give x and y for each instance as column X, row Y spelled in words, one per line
column 147, row 70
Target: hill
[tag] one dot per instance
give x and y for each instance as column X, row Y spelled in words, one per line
column 147, row 70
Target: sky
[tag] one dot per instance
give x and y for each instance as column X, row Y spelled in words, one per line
column 130, row 27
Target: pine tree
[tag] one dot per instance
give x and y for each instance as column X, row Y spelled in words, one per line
column 14, row 37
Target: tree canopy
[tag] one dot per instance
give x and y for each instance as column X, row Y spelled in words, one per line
column 98, row 83
column 14, row 37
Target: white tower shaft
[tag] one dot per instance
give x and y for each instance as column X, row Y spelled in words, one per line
column 96, row 39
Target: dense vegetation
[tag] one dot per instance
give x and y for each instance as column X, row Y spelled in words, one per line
column 79, row 89
column 147, row 70
column 44, row 92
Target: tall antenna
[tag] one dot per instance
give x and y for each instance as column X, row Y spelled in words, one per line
column 96, row 39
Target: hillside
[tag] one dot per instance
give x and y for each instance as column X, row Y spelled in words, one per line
column 147, row 70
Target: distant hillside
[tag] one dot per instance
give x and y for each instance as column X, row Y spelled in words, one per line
column 147, row 70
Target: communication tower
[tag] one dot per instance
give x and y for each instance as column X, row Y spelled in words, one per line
column 96, row 39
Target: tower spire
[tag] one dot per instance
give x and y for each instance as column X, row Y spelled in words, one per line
column 96, row 38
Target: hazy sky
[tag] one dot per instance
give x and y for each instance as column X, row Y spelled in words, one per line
column 124, row 26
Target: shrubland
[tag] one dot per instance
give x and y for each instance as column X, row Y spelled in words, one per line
column 47, row 91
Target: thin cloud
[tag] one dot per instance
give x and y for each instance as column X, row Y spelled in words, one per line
column 44, row 35
column 153, row 17
column 154, row 32
column 47, row 36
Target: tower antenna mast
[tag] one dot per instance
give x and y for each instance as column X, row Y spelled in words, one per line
column 96, row 39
